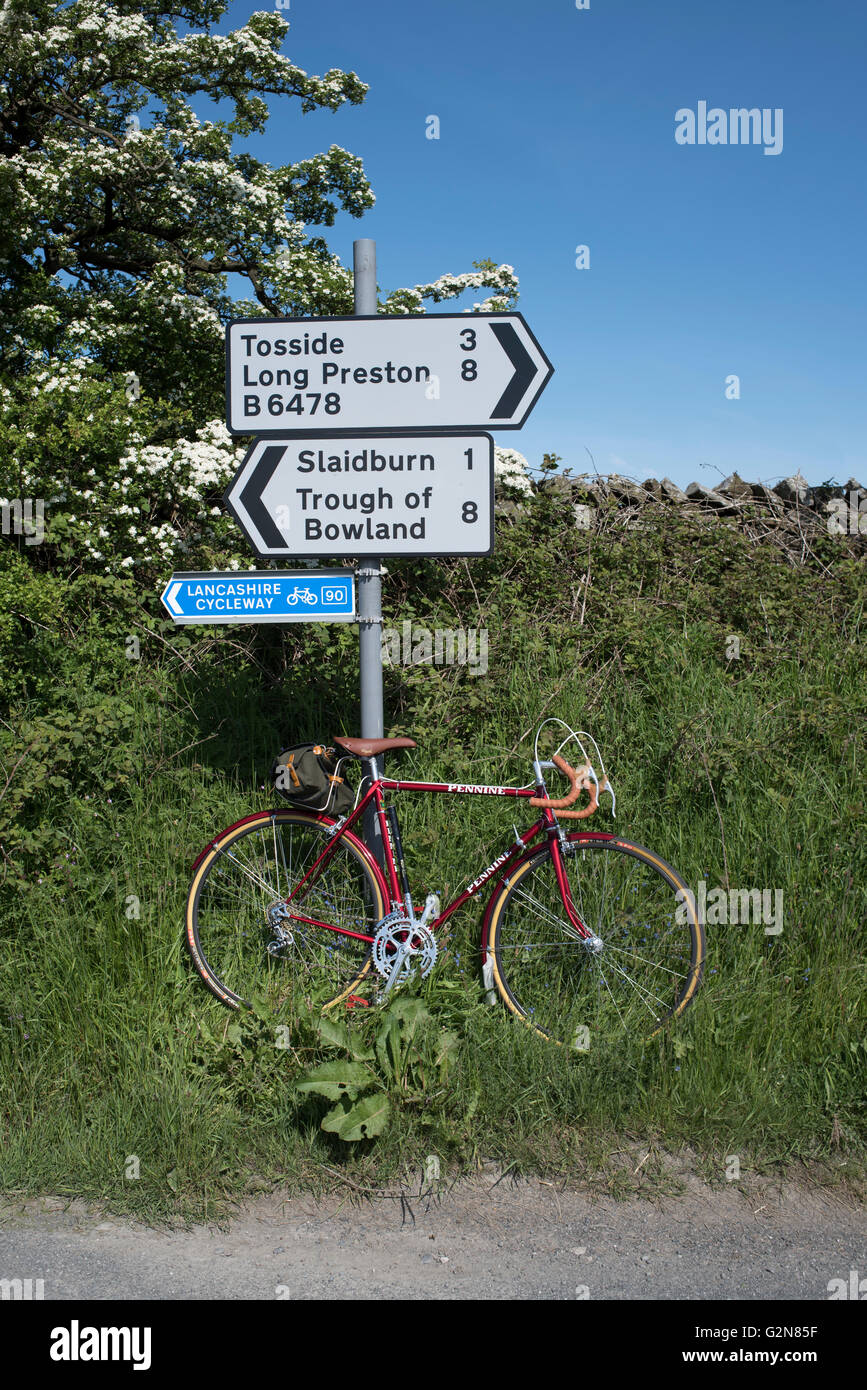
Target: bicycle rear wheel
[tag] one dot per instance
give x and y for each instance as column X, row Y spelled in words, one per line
column 642, row 966
column 246, row 941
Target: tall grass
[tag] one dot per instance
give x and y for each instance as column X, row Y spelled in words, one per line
column 745, row 772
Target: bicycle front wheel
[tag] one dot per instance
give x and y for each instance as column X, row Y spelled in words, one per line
column 641, row 966
column 246, row 941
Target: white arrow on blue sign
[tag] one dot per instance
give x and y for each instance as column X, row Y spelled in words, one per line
column 260, row 596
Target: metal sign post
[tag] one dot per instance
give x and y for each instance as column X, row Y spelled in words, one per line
column 369, row 439
column 370, row 570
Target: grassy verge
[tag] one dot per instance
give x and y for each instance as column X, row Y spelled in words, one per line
column 743, row 771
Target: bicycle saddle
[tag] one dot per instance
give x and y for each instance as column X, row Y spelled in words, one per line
column 371, row 747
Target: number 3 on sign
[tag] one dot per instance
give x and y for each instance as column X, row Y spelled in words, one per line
column 469, row 368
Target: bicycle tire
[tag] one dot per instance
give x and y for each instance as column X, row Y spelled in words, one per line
column 227, row 922
column 550, row 985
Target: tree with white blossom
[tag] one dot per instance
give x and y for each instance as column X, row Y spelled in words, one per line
column 511, row 473
column 123, row 214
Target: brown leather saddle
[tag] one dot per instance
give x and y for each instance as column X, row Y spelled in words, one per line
column 372, row 747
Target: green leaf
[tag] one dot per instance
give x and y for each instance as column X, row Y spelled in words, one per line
column 411, row 1013
column 447, row 1052
column 388, row 1046
column 233, row 1033
column 336, row 1079
column 362, row 1121
column 360, row 1051
column 260, row 1008
column 409, row 1009
column 205, row 1032
column 333, row 1032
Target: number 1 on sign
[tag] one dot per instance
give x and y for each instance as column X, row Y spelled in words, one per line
column 468, row 455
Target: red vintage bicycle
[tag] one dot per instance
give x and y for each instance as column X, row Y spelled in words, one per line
column 585, row 935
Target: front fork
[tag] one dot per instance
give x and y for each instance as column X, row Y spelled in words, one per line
column 561, row 848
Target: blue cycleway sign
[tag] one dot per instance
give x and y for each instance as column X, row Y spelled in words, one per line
column 261, row 596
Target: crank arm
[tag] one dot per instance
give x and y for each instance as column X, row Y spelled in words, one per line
column 397, row 967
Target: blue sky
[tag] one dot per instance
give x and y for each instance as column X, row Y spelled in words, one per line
column 557, row 129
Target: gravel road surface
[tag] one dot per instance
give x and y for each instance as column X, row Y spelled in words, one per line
column 484, row 1239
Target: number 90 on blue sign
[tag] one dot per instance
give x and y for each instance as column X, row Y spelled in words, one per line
column 336, row 595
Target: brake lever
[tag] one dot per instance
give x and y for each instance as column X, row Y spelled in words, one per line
column 603, row 786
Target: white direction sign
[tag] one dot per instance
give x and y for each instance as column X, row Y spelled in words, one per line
column 373, row 495
column 404, row 372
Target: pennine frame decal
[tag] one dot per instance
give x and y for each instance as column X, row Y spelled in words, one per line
column 456, row 788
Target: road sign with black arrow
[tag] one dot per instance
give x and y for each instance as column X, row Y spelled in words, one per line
column 367, row 495
column 424, row 372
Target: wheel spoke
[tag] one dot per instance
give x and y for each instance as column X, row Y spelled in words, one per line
column 654, row 965
column 640, row 990
column 541, row 910
column 239, row 912
column 641, row 967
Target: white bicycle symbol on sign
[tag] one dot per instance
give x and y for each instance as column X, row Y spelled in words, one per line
column 305, row 595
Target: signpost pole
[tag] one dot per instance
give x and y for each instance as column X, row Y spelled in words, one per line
column 373, row 419
column 370, row 570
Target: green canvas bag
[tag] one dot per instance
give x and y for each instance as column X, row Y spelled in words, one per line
column 307, row 776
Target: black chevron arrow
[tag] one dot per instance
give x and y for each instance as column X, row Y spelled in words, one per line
column 525, row 370
column 251, row 498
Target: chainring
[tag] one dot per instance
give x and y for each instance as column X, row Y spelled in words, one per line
column 392, row 938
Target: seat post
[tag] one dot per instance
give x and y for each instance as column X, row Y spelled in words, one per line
column 372, row 832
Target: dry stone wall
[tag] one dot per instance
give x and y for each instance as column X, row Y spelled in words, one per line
column 792, row 508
